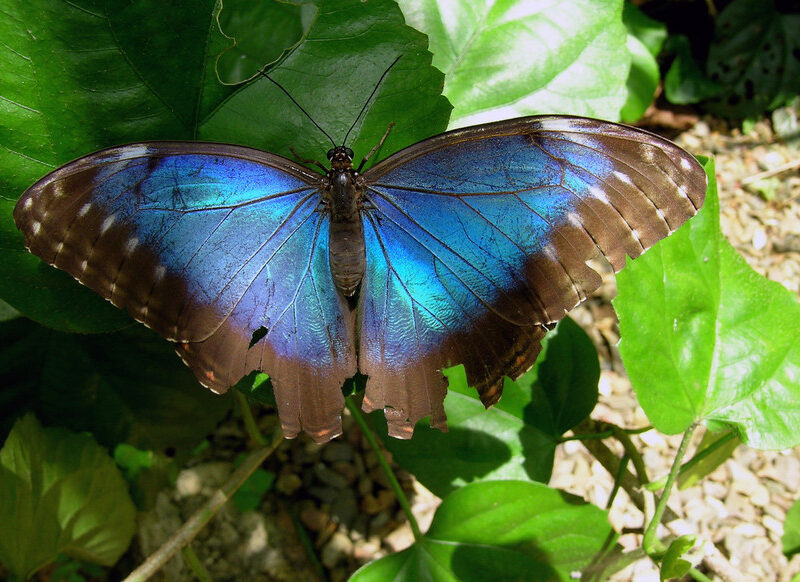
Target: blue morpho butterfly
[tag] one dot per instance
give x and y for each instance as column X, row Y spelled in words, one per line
column 462, row 248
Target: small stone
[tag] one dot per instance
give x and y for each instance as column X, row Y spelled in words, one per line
column 314, row 518
column 759, row 496
column 344, row 507
column 773, row 525
column 400, row 539
column 364, row 485
column 365, row 550
column 346, row 470
column 255, row 533
column 759, row 239
column 336, row 550
column 373, row 505
column 288, row 483
column 329, row 477
column 337, row 451
column 188, row 483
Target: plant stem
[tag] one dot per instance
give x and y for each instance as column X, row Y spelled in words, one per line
column 641, row 471
column 698, row 575
column 198, row 520
column 308, row 546
column 247, row 416
column 194, row 563
column 696, row 458
column 650, row 542
column 373, row 443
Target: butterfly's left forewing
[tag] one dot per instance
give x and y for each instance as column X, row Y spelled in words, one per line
column 478, row 238
column 221, row 249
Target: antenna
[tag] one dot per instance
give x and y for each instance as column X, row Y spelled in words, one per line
column 371, row 95
column 300, row 107
column 364, row 108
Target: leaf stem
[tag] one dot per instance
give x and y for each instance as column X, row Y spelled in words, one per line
column 209, row 509
column 650, row 542
column 373, row 443
column 249, row 421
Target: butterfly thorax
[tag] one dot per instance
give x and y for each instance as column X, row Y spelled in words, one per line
column 346, row 250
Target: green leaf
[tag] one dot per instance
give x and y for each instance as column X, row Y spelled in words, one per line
column 515, row 439
column 645, row 38
column 501, row 530
column 691, row 315
column 60, row 492
column 263, row 32
column 125, row 387
column 331, row 76
column 673, row 565
column 147, row 473
column 512, row 58
column 791, row 531
column 76, row 79
column 685, row 82
column 755, row 55
column 248, row 496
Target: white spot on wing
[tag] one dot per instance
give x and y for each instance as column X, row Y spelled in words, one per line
column 686, row 164
column 59, row 247
column 84, row 209
column 35, row 227
column 132, row 151
column 635, row 234
column 84, row 264
column 574, row 219
column 28, row 203
column 597, row 193
column 160, row 271
column 622, row 177
column 132, row 243
column 107, row 223
column 58, row 188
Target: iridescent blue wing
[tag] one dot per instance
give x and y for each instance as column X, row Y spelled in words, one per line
column 478, row 238
column 221, row 249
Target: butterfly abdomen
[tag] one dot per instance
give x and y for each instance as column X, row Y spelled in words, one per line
column 346, row 248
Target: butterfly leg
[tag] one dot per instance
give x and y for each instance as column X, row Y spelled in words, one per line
column 307, row 160
column 376, row 148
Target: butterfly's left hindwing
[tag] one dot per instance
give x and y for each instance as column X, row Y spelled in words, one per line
column 208, row 244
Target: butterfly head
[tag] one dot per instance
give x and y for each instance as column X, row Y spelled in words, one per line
column 341, row 158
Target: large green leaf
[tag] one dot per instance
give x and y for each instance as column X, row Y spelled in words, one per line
column 127, row 387
column 78, row 76
column 515, row 439
column 697, row 339
column 60, row 493
column 331, row 74
column 645, row 38
column 501, row 530
column 510, row 58
column 755, row 56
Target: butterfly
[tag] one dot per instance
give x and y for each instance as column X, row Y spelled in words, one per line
column 461, row 249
